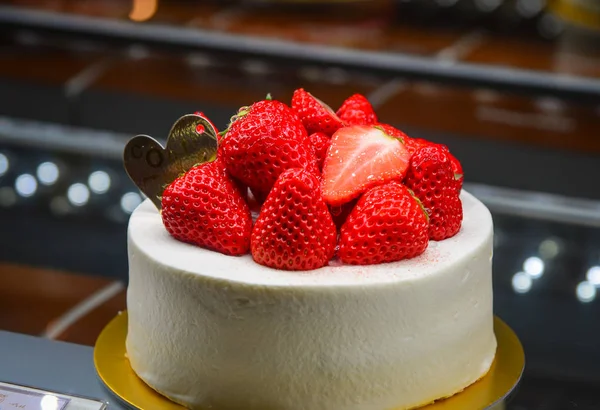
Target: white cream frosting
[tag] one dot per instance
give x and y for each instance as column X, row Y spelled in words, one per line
column 219, row 332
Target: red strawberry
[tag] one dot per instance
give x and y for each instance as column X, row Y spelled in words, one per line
column 205, row 208
column 431, row 178
column 413, row 144
column 294, row 230
column 454, row 163
column 357, row 110
column 393, row 132
column 457, row 170
column 315, row 114
column 320, row 143
column 359, row 158
column 264, row 140
column 387, row 224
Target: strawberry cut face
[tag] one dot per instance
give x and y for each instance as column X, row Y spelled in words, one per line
column 359, row 158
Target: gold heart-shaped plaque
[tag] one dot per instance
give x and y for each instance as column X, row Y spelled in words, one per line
column 191, row 141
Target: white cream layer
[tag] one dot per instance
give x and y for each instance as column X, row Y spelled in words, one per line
column 217, row 332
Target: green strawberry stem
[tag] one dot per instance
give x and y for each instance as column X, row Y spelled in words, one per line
column 242, row 112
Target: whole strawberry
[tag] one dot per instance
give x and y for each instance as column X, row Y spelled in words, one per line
column 411, row 144
column 414, row 144
column 457, row 171
column 431, row 177
column 387, row 224
column 315, row 114
column 264, row 140
column 320, row 143
column 205, row 208
column 294, row 230
column 357, row 110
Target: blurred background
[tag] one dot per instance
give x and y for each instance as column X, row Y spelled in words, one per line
column 511, row 86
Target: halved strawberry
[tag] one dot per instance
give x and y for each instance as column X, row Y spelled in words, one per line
column 316, row 116
column 359, row 158
column 357, row 110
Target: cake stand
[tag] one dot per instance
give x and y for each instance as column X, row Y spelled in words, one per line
column 489, row 393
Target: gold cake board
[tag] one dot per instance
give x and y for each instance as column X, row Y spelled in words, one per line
column 490, row 392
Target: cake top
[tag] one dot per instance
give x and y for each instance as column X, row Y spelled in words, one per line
column 301, row 187
column 147, row 235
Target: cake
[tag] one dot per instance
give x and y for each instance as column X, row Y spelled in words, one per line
column 230, row 323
